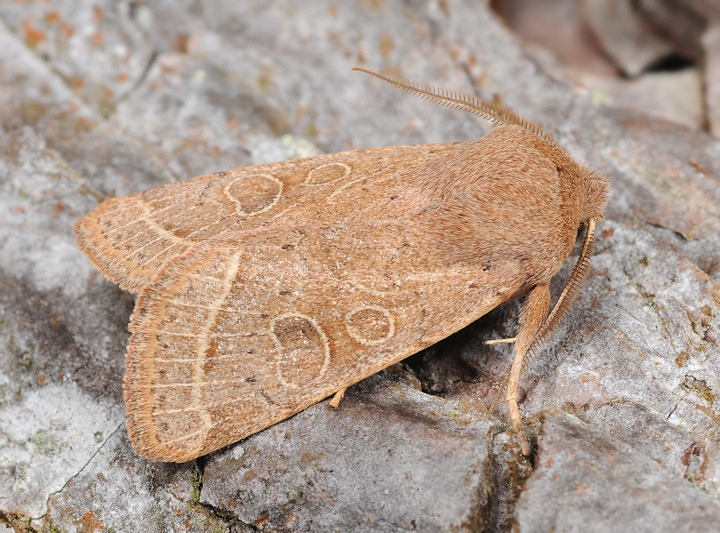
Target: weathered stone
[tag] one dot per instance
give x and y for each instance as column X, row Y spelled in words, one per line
column 391, row 458
column 586, row 481
column 234, row 83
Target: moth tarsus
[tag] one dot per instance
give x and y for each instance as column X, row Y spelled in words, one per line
column 291, row 281
column 337, row 398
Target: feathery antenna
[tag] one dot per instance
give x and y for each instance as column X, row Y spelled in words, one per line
column 477, row 106
column 567, row 297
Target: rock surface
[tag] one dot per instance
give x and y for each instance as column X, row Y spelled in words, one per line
column 105, row 98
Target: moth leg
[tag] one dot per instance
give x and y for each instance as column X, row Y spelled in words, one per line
column 509, row 340
column 535, row 311
column 339, row 395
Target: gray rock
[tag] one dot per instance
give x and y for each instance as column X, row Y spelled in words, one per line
column 107, row 98
column 123, row 492
column 585, row 481
column 391, row 458
column 625, row 36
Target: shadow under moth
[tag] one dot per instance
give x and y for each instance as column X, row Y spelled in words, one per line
column 263, row 290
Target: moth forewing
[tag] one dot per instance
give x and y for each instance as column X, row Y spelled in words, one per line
column 129, row 238
column 223, row 345
column 265, row 289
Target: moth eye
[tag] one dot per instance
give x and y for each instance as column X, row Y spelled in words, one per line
column 581, row 231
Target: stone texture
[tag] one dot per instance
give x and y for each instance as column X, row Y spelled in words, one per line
column 104, row 98
column 409, row 462
column 117, row 491
column 585, row 481
column 656, row 57
column 625, row 35
column 711, row 42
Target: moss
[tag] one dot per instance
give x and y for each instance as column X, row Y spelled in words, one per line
column 195, row 495
column 52, row 528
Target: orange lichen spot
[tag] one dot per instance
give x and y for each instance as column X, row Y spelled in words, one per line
column 76, row 83
column 97, row 38
column 180, row 43
column 387, row 45
column 91, row 523
column 33, row 37
column 67, row 30
column 59, row 208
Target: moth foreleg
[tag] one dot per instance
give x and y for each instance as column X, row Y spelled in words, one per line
column 535, row 311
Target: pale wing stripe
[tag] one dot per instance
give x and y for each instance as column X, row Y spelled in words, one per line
column 198, row 384
column 150, row 215
column 162, row 231
column 235, row 335
column 216, row 336
column 231, row 355
column 195, row 335
column 135, row 220
column 137, row 250
column 203, row 228
column 204, row 341
column 148, row 261
column 342, row 188
column 173, row 245
column 209, row 279
column 178, row 303
column 206, row 407
column 183, row 437
column 190, row 306
column 195, row 359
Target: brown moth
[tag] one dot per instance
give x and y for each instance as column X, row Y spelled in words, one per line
column 263, row 290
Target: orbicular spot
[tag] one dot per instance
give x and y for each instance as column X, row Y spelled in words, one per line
column 327, row 173
column 254, row 194
column 303, row 350
column 370, row 325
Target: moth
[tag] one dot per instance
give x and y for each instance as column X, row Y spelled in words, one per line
column 263, row 290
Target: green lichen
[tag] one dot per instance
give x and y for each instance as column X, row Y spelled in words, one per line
column 47, row 443
column 20, row 469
